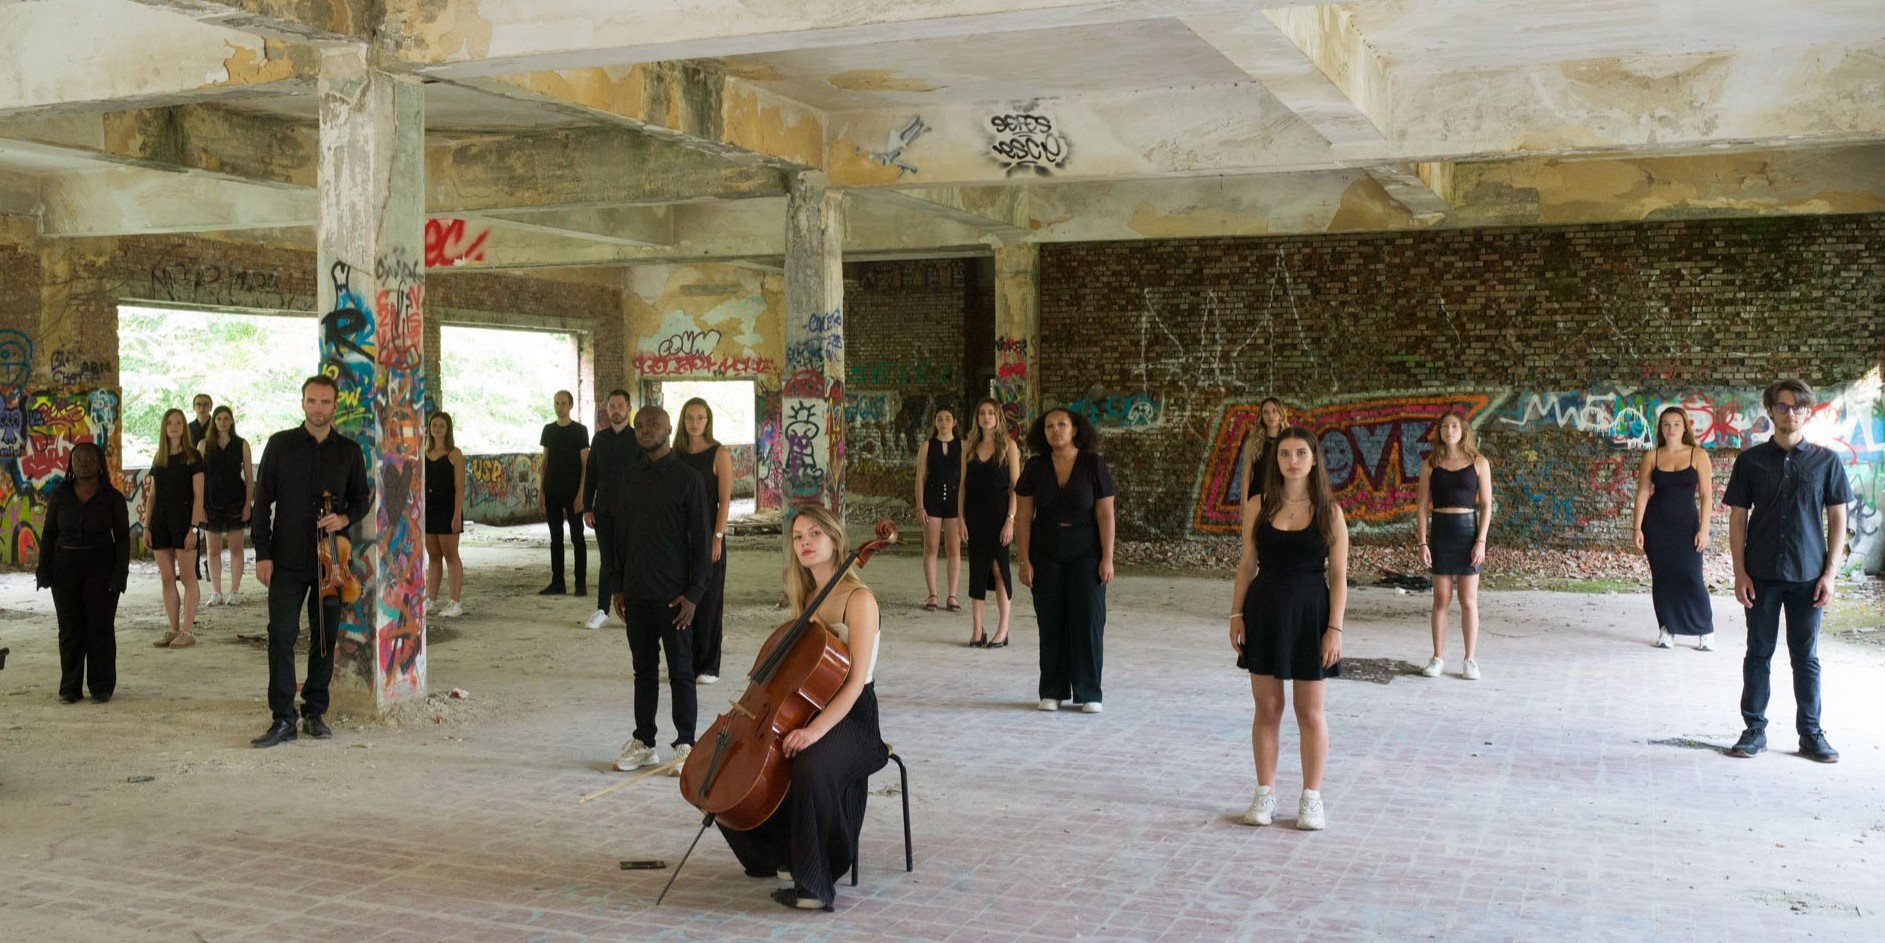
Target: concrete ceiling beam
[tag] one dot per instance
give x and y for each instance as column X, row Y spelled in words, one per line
column 1422, row 188
column 297, row 20
column 122, row 201
column 616, row 225
column 583, row 168
column 999, row 211
column 466, row 39
column 90, row 54
column 704, row 109
column 19, row 194
column 1312, row 59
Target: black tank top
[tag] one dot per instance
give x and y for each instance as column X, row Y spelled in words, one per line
column 222, row 478
column 439, row 486
column 1453, row 489
column 1290, row 551
column 945, row 463
column 702, row 462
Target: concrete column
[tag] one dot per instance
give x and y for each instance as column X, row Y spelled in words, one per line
column 811, row 424
column 370, row 228
column 1018, row 334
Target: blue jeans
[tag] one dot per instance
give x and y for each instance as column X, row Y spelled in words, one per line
column 1771, row 597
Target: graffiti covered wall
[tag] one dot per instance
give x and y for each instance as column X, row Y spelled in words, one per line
column 38, row 428
column 905, row 359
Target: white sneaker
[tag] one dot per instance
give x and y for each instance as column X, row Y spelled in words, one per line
column 706, row 679
column 1471, row 671
column 1663, row 638
column 215, row 599
column 1049, row 704
column 234, row 599
column 1091, row 707
column 680, row 756
column 452, row 610
column 1262, row 809
column 1705, row 643
column 635, row 755
column 600, row 619
column 1309, row 814
column 1435, row 665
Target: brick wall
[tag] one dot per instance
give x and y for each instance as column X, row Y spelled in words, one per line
column 904, row 357
column 1561, row 344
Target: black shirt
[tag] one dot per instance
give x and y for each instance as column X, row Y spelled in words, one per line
column 1788, row 492
column 173, row 490
column 562, row 458
column 661, row 537
column 74, row 526
column 289, row 479
column 198, row 432
column 1071, row 504
column 611, row 456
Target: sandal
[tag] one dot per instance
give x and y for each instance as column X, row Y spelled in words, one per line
column 953, row 605
column 164, row 642
column 931, row 605
column 183, row 640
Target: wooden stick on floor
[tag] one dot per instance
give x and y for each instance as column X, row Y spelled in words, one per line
column 632, row 780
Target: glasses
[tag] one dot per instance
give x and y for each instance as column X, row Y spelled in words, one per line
column 1795, row 408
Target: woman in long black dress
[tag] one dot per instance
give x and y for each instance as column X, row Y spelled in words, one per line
column 85, row 558
column 173, row 509
column 444, row 516
column 1674, row 492
column 814, row 832
column 228, row 490
column 938, row 498
column 991, row 463
column 1286, row 622
column 698, row 449
column 1064, row 501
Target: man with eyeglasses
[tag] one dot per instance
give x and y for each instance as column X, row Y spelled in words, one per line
column 1785, row 560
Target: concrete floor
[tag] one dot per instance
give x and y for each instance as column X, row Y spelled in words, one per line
column 1576, row 793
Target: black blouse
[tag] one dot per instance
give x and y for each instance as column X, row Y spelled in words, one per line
column 74, row 526
column 1072, row 503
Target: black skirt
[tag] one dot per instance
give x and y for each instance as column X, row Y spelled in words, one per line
column 1285, row 615
column 1450, row 539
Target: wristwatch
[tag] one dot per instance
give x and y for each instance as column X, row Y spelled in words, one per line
column 719, row 535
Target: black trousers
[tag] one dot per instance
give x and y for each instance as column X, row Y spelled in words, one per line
column 1771, row 597
column 710, row 620
column 650, row 631
column 561, row 510
column 288, row 591
column 815, row 830
column 1070, row 605
column 87, row 609
column 605, row 560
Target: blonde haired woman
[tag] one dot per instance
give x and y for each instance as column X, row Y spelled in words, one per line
column 991, row 464
column 1452, row 515
column 173, row 509
column 813, row 834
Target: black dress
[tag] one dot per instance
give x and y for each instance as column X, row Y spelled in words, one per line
column 1670, row 521
column 441, row 492
column 710, row 616
column 985, row 488
column 1286, row 608
column 223, row 487
column 942, row 484
column 173, row 498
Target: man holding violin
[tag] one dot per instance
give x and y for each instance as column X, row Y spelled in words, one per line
column 300, row 467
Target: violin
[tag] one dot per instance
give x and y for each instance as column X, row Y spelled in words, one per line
column 738, row 774
column 336, row 554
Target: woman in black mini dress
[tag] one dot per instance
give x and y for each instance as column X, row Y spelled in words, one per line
column 938, row 500
column 228, row 490
column 1287, row 608
column 444, row 516
column 173, row 509
column 1674, row 494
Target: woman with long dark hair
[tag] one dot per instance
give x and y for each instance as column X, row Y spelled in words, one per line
column 444, row 516
column 228, row 491
column 1064, row 502
column 814, row 832
column 1287, row 606
column 938, row 503
column 696, row 447
column 85, row 559
column 1674, row 494
column 991, row 462
column 173, row 510
column 1453, row 512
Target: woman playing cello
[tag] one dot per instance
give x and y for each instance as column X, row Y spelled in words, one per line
column 814, row 832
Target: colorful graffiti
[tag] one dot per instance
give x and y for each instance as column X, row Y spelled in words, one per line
column 680, row 365
column 503, row 489
column 1373, row 446
column 452, row 242
column 16, row 358
column 1730, row 419
column 1135, row 410
column 768, row 459
column 396, row 462
column 38, row 429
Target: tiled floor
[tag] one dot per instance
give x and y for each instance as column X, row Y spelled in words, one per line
column 1576, row 793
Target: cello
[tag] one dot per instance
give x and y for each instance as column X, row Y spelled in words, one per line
column 738, row 772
